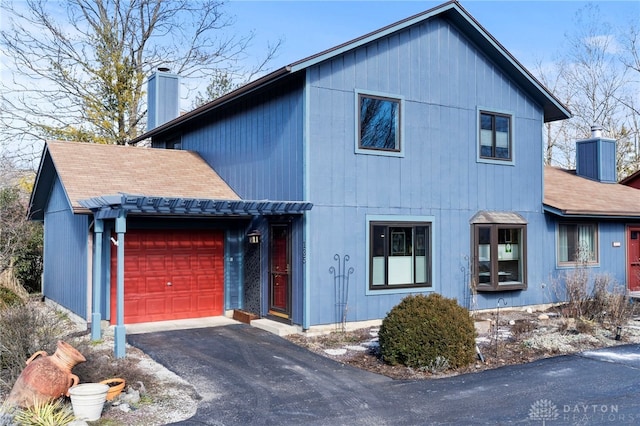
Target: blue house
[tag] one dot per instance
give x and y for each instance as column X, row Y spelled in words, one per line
column 405, row 161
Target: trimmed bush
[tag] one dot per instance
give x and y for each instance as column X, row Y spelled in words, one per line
column 428, row 332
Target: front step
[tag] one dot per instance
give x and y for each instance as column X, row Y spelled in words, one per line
column 274, row 327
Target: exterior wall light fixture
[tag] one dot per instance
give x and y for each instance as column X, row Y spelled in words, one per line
column 254, row 237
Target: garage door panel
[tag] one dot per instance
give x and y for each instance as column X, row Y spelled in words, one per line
column 155, row 305
column 182, row 304
column 207, row 282
column 192, row 260
column 152, row 262
column 152, row 285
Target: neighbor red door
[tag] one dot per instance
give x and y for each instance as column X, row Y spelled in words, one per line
column 633, row 258
column 170, row 274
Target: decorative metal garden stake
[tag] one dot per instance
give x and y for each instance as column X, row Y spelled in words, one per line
column 341, row 288
column 504, row 303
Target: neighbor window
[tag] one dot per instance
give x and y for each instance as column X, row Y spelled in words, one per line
column 495, row 136
column 500, row 253
column 577, row 243
column 400, row 255
column 378, row 123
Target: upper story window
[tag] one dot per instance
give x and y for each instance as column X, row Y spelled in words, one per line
column 399, row 255
column 577, row 243
column 379, row 129
column 496, row 142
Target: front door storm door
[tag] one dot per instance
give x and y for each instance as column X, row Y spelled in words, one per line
column 633, row 258
column 280, row 271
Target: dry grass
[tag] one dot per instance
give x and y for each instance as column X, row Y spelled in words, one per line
column 164, row 397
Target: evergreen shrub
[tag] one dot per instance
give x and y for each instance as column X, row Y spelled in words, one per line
column 428, row 332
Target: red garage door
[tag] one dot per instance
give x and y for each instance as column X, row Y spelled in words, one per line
column 170, row 274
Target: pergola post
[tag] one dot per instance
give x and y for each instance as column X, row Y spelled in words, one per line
column 120, row 330
column 96, row 315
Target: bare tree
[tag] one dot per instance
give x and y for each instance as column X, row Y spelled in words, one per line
column 590, row 79
column 223, row 81
column 79, row 66
column 630, row 57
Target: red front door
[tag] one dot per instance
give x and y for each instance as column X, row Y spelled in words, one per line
column 170, row 274
column 633, row 258
column 280, row 272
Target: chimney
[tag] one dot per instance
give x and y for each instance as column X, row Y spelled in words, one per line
column 163, row 98
column 596, row 157
column 596, row 132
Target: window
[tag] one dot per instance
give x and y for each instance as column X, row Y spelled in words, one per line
column 495, row 136
column 173, row 144
column 378, row 124
column 577, row 243
column 499, row 251
column 400, row 255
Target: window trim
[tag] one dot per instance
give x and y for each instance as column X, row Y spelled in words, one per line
column 401, row 138
column 494, row 285
column 512, row 142
column 573, row 263
column 399, row 220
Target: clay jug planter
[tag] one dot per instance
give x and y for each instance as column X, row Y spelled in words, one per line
column 115, row 387
column 46, row 377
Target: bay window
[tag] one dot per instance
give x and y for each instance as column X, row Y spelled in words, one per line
column 499, row 251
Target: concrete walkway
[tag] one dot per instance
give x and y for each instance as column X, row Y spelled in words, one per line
column 247, row 376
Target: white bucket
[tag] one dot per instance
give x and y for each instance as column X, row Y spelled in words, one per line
column 87, row 400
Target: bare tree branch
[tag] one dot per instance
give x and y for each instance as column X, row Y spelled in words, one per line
column 80, row 66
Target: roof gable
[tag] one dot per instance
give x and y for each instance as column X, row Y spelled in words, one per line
column 451, row 11
column 93, row 170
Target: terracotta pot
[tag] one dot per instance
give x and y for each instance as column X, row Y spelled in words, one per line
column 46, row 377
column 115, row 387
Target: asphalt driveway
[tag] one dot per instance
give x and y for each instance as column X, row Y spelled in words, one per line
column 247, row 376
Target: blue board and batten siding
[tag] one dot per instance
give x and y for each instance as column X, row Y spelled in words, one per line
column 66, row 247
column 596, row 159
column 444, row 80
column 256, row 145
column 611, row 248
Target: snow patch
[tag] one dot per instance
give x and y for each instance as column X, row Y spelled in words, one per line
column 335, row 352
column 612, row 356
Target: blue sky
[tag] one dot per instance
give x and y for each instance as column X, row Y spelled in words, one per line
column 530, row 30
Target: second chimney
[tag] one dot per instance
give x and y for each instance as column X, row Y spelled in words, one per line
column 163, row 98
column 596, row 157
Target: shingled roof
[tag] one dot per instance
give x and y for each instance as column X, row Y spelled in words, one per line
column 93, row 170
column 569, row 195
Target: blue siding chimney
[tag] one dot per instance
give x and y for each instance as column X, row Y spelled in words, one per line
column 163, row 98
column 596, row 157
